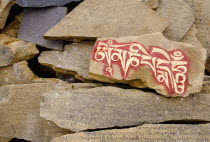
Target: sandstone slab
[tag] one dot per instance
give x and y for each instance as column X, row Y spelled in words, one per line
column 145, row 133
column 75, row 59
column 152, row 3
column 36, row 22
column 13, row 50
column 180, row 16
column 44, row 3
column 18, row 73
column 202, row 14
column 92, row 19
column 5, row 6
column 19, row 110
column 149, row 61
column 107, row 107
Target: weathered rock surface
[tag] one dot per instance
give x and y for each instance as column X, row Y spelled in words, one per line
column 5, row 6
column 149, row 61
column 19, row 110
column 202, row 14
column 145, row 133
column 18, row 73
column 13, row 28
column 152, row 3
column 5, row 139
column 44, row 3
column 106, row 107
column 13, row 50
column 75, row 59
column 92, row 19
column 180, row 16
column 36, row 22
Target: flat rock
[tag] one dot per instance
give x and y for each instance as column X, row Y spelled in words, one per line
column 100, row 18
column 5, row 6
column 44, row 3
column 107, row 107
column 149, row 61
column 180, row 16
column 18, row 73
column 19, row 110
column 145, row 133
column 152, row 3
column 202, row 14
column 13, row 50
column 13, row 28
column 75, row 59
column 36, row 22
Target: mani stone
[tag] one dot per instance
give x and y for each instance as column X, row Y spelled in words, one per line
column 144, row 133
column 20, row 109
column 18, row 73
column 13, row 28
column 75, row 59
column 152, row 3
column 108, row 107
column 13, row 50
column 160, row 66
column 105, row 18
column 180, row 16
column 43, row 3
column 5, row 6
column 202, row 15
column 36, row 22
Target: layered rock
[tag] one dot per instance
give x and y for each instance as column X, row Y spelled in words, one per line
column 13, row 50
column 5, row 6
column 75, row 59
column 92, row 19
column 107, row 107
column 171, row 68
column 180, row 16
column 36, row 22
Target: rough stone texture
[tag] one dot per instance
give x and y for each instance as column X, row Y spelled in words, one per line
column 145, row 133
column 18, row 73
column 102, row 18
column 202, row 14
column 19, row 110
column 180, row 16
column 36, row 22
column 75, row 59
column 143, row 77
column 13, row 28
column 5, row 139
column 13, row 50
column 5, row 6
column 106, row 107
column 44, row 3
column 152, row 3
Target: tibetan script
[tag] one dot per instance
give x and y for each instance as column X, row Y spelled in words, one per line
column 169, row 68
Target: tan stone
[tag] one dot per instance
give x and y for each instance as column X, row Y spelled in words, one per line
column 5, row 139
column 75, row 59
column 13, row 50
column 5, row 6
column 100, row 18
column 202, row 14
column 151, row 3
column 180, row 16
column 18, row 73
column 13, row 28
column 107, row 107
column 20, row 108
column 144, row 76
column 145, row 133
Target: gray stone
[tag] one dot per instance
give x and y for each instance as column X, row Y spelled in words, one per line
column 107, row 107
column 44, row 3
column 36, row 22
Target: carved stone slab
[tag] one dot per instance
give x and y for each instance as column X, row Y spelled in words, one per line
column 171, row 68
column 145, row 133
column 107, row 107
column 102, row 18
column 36, row 22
